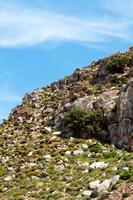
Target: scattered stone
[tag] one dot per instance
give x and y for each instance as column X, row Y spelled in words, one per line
column 8, row 178
column 126, row 168
column 68, row 152
column 98, row 165
column 59, row 168
column 47, row 157
column 56, row 133
column 48, row 130
column 85, row 146
column 94, row 184
column 87, row 193
column 78, row 152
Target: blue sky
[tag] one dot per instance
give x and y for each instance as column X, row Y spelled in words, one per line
column 44, row 40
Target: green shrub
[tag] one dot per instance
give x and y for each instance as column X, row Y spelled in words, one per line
column 107, row 155
column 96, row 148
column 126, row 174
column 84, row 123
column 125, row 194
column 117, row 64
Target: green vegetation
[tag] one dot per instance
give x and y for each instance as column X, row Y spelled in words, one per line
column 84, row 123
column 125, row 174
column 117, row 64
column 96, row 148
column 125, row 195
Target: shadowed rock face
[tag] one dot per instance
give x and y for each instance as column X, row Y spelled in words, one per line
column 105, row 84
column 125, row 116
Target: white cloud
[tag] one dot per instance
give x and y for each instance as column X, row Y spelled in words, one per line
column 22, row 27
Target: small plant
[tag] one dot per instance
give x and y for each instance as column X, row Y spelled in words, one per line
column 96, row 148
column 109, row 155
column 125, row 195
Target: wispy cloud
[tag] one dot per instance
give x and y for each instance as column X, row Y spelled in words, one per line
column 121, row 7
column 23, row 27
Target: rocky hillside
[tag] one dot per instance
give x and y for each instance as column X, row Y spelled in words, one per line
column 72, row 139
column 104, row 88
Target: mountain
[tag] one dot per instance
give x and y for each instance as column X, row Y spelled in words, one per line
column 74, row 138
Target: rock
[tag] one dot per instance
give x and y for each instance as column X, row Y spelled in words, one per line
column 8, row 178
column 105, row 185
column 30, row 154
column 47, row 157
column 85, row 102
column 78, row 152
column 114, row 168
column 67, row 178
column 56, row 133
column 126, row 168
column 114, row 180
column 94, row 193
column 86, row 193
column 59, row 168
column 5, row 189
column 124, row 138
column 68, row 152
column 94, row 184
column 85, row 146
column 48, row 130
column 98, row 165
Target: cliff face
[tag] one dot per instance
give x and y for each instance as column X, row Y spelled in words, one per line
column 106, row 84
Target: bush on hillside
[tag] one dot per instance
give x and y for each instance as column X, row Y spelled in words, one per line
column 117, row 64
column 84, row 123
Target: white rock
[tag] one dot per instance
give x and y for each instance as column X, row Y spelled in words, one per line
column 87, row 193
column 114, row 168
column 114, row 180
column 5, row 159
column 104, row 185
column 94, row 184
column 20, row 119
column 85, row 171
column 126, row 168
column 35, row 177
column 30, row 154
column 57, row 133
column 59, row 168
column 98, row 165
column 5, row 189
column 68, row 152
column 78, row 152
column 85, row 146
column 66, row 159
column 28, row 165
column 8, row 178
column 48, row 130
column 90, row 155
column 47, row 157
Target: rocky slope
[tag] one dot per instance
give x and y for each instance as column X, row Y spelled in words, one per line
column 72, row 139
column 106, row 84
